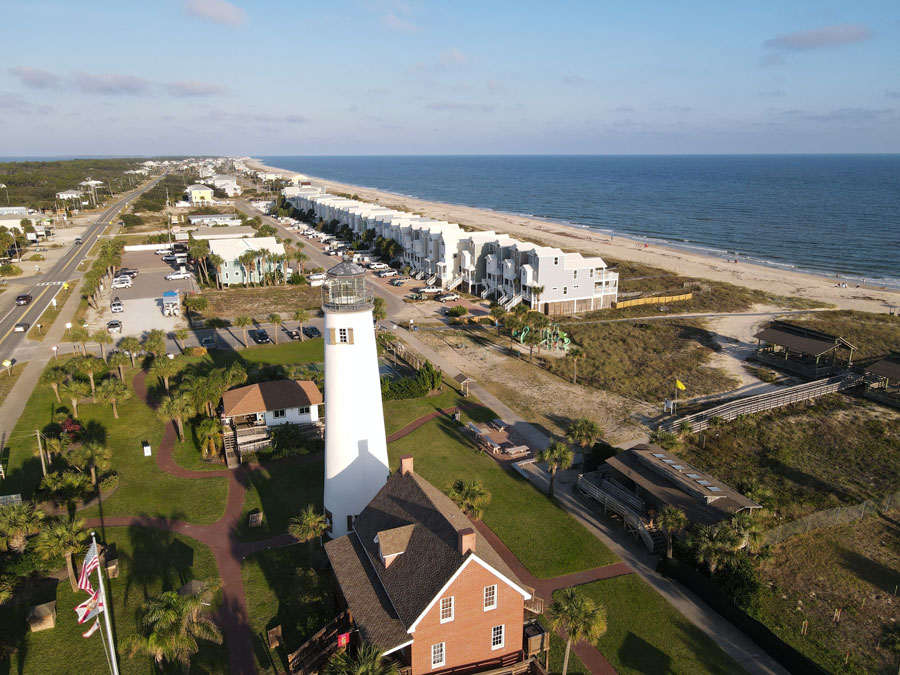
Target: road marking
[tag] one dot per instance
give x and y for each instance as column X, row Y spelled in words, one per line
column 50, row 283
column 13, row 326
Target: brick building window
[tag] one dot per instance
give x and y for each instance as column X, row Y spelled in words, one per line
column 490, row 597
column 437, row 655
column 497, row 637
column 446, row 609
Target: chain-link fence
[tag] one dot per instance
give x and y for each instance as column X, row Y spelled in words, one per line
column 837, row 516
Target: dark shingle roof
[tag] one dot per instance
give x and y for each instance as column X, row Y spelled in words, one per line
column 369, row 604
column 432, row 553
column 889, row 368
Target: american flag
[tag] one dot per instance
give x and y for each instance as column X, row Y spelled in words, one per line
column 91, row 562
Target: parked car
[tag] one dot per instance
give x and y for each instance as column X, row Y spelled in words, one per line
column 448, row 296
column 181, row 274
column 396, row 282
column 127, row 272
column 318, row 276
column 294, row 334
column 163, row 251
column 312, row 332
column 378, row 266
column 260, row 336
column 208, row 342
column 121, row 282
column 21, row 327
column 430, row 290
column 384, row 274
column 169, row 258
column 24, row 299
column 116, row 306
column 114, row 326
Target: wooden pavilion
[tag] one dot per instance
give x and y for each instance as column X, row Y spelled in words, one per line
column 883, row 381
column 806, row 352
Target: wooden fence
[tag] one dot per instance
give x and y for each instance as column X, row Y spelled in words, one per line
column 773, row 399
column 656, row 299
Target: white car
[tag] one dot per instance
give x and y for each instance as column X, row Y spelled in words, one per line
column 175, row 276
column 387, row 273
column 163, row 251
column 378, row 266
column 448, row 296
column 121, row 282
column 430, row 290
column 318, row 276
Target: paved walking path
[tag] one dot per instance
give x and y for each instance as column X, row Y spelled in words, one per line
column 220, row 537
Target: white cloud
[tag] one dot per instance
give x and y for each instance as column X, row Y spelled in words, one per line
column 110, row 84
column 35, row 77
column 453, row 58
column 191, row 88
column 395, row 23
column 218, row 11
column 828, row 36
column 575, row 79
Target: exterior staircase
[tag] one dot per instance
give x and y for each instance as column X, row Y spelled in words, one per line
column 231, row 457
column 512, row 302
column 486, row 292
column 454, row 283
column 431, row 279
column 503, row 299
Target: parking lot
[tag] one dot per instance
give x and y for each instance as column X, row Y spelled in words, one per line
column 143, row 301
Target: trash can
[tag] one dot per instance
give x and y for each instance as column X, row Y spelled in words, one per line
column 145, row 445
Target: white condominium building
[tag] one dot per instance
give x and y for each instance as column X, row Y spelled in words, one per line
column 488, row 264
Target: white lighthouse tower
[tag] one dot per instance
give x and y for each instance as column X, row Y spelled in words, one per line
column 356, row 461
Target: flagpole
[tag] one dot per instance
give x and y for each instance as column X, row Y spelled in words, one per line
column 105, row 648
column 107, row 609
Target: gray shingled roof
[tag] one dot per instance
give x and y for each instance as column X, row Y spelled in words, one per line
column 432, row 554
column 369, row 603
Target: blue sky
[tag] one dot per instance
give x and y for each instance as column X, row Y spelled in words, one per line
column 485, row 77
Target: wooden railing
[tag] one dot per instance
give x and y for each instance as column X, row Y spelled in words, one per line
column 773, row 399
column 632, row 520
column 318, row 648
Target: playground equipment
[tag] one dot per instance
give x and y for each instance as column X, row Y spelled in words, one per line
column 551, row 337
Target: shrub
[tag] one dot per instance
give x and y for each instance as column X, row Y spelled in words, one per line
column 36, row 257
column 664, row 439
column 459, row 310
column 296, row 279
column 9, row 270
column 109, row 482
column 740, row 581
column 405, row 387
column 131, row 220
column 197, row 351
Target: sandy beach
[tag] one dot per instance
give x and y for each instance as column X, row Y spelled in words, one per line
column 685, row 263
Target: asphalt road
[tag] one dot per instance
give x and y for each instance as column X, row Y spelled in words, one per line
column 52, row 280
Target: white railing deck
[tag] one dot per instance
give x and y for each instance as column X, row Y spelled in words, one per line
column 632, row 520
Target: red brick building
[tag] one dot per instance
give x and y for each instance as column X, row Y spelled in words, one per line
column 423, row 586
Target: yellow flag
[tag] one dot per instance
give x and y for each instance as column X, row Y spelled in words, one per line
column 679, row 384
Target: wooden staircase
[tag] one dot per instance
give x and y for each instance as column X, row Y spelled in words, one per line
column 231, row 456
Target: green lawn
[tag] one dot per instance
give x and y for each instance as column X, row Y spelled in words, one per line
column 143, row 487
column 8, row 379
column 150, row 561
column 544, row 537
column 281, row 589
column 645, row 634
column 397, row 414
column 280, row 489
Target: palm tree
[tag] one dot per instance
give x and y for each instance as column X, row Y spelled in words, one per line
column 747, row 529
column 301, row 316
column 80, row 336
column 175, row 409
column 558, row 455
column 575, row 353
column 17, row 523
column 308, row 527
column 672, row 520
column 538, row 323
column 118, row 360
column 90, row 457
column 54, row 376
column 578, row 618
column 210, row 433
column 88, row 365
column 513, row 324
column 66, row 487
column 583, row 432
column 8, row 583
column 62, row 537
column 131, row 345
column 164, row 368
column 275, row 320
column 74, row 390
column 155, row 342
column 379, row 308
column 242, row 322
column 180, row 336
column 114, row 391
column 235, row 375
column 216, row 262
column 470, row 496
column 172, row 623
column 366, row 660
column 301, row 258
column 536, row 293
column 532, row 338
column 713, row 545
column 102, row 338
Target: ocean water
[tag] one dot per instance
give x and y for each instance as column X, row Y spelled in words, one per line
column 829, row 214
